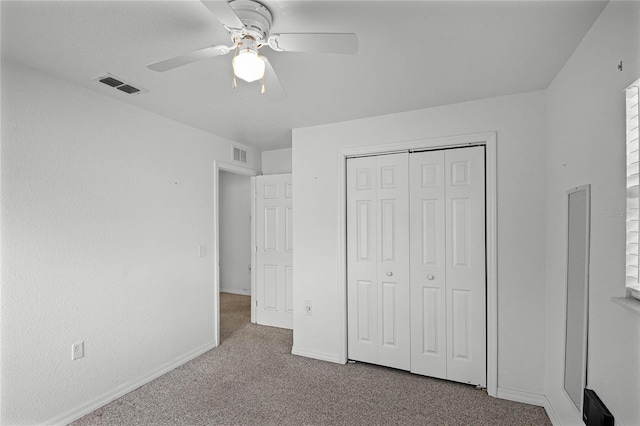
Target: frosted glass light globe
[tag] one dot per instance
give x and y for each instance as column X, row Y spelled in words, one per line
column 248, row 65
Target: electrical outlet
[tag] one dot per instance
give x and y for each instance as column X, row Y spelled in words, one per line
column 77, row 351
column 307, row 307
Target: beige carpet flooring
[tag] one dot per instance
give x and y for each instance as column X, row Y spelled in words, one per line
column 252, row 379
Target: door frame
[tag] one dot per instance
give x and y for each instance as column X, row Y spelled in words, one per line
column 489, row 141
column 233, row 168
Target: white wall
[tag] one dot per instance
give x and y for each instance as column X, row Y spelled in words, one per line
column 520, row 124
column 276, row 161
column 586, row 144
column 235, row 233
column 103, row 208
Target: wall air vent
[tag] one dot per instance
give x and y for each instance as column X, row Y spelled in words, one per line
column 239, row 155
column 118, row 83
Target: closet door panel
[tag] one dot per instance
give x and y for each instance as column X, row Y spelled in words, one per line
column 378, row 263
column 465, row 266
column 393, row 266
column 362, row 262
column 428, row 277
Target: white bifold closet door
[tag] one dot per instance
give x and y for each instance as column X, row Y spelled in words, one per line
column 274, row 250
column 416, row 262
column 448, row 294
column 378, row 260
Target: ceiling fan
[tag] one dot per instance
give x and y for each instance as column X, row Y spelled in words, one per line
column 248, row 23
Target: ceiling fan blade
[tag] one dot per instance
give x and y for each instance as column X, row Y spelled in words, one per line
column 224, row 13
column 198, row 55
column 272, row 86
column 345, row 43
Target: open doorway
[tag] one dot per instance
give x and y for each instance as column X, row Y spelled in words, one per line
column 234, row 215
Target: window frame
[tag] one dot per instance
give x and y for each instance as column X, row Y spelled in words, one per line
column 632, row 217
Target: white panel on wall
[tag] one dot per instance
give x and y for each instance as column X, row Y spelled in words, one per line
column 277, row 161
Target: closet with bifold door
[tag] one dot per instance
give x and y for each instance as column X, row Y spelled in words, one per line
column 416, row 293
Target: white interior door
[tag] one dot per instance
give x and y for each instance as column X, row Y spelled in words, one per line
column 465, row 270
column 378, row 260
column 274, row 251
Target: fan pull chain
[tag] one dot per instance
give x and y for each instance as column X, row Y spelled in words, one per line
column 234, row 83
column 262, row 89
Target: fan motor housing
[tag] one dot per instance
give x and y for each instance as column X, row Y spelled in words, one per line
column 256, row 18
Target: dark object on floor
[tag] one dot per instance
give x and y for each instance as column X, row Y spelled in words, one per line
column 594, row 412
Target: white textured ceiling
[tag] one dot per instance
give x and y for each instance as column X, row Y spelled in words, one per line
column 413, row 54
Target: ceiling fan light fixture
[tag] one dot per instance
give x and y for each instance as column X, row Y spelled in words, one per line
column 248, row 65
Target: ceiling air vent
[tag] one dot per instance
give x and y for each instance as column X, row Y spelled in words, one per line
column 239, row 155
column 110, row 81
column 128, row 89
column 118, row 83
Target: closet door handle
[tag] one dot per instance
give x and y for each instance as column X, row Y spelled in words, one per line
column 430, row 277
column 389, row 274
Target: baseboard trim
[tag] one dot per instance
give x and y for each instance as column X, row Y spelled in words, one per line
column 551, row 413
column 520, row 396
column 110, row 396
column 234, row 291
column 322, row 356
